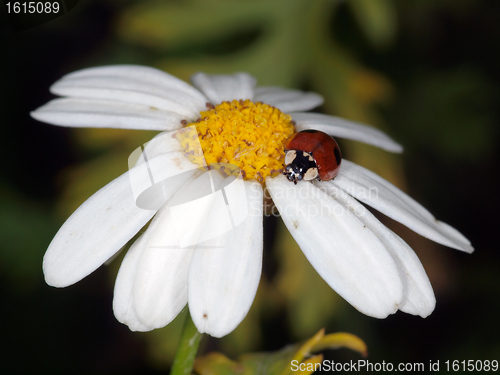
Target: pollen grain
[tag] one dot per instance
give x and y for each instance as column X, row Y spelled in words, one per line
column 248, row 135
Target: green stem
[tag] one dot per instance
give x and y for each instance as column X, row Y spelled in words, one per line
column 187, row 349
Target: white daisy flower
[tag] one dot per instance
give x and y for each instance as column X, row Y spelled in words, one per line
column 218, row 275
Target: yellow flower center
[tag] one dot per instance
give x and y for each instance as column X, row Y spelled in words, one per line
column 246, row 134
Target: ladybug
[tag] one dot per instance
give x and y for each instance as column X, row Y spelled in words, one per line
column 311, row 154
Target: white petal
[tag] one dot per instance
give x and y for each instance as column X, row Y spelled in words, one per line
column 160, row 286
column 162, row 143
column 92, row 113
column 93, row 233
column 136, row 73
column 135, row 85
column 288, row 100
column 373, row 190
column 339, row 127
column 151, row 80
column 225, row 271
column 107, row 221
column 191, row 209
column 219, row 88
column 418, row 297
column 157, row 171
column 346, row 254
column 123, row 294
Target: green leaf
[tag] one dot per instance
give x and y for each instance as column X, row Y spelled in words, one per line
column 279, row 362
column 377, row 18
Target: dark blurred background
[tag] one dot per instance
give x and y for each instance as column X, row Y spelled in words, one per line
column 424, row 71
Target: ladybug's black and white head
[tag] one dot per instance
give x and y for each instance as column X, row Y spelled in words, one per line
column 300, row 165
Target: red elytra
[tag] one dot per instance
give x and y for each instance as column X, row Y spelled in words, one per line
column 323, row 148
